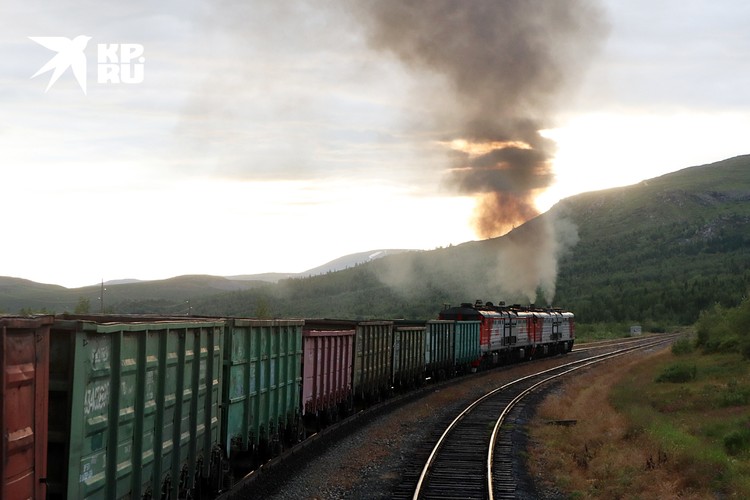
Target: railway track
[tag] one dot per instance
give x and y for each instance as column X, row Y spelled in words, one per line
column 473, row 456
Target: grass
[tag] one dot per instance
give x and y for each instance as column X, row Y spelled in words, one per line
column 638, row 437
column 586, row 332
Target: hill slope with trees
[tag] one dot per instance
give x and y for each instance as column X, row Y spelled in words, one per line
column 663, row 249
column 660, row 251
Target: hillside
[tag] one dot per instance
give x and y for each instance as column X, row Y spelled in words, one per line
column 657, row 251
column 169, row 296
column 17, row 293
column 339, row 264
column 663, row 249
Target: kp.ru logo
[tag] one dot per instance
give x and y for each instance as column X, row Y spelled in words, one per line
column 116, row 62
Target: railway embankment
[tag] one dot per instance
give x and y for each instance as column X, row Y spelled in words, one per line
column 666, row 424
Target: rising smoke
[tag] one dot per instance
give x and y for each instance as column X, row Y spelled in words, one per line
column 504, row 67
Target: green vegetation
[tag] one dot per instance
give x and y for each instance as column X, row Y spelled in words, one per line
column 662, row 250
column 682, row 346
column 677, row 373
column 695, row 410
column 695, row 405
column 83, row 306
column 601, row 331
column 737, row 442
column 723, row 329
column 654, row 254
column 672, row 425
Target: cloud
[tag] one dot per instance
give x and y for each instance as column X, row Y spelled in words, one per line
column 671, row 56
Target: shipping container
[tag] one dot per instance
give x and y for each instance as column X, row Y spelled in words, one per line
column 466, row 340
column 262, row 374
column 136, row 406
column 408, row 355
column 327, row 374
column 24, row 379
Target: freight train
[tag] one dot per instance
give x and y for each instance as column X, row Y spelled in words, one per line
column 104, row 406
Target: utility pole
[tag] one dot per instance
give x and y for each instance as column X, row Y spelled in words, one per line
column 101, row 297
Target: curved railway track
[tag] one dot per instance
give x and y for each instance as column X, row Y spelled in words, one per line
column 473, row 456
column 272, row 476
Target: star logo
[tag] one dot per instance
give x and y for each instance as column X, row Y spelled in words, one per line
column 69, row 55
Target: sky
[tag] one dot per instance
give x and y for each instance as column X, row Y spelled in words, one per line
column 259, row 136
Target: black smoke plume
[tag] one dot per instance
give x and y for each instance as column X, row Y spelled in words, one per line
column 505, row 64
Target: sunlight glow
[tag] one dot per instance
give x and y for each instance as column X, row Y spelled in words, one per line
column 480, row 148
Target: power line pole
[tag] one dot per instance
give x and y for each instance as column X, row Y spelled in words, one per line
column 101, row 297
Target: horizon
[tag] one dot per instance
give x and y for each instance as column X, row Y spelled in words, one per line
column 233, row 277
column 240, row 149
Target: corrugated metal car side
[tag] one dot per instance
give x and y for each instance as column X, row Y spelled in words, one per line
column 467, row 348
column 439, row 347
column 373, row 342
column 262, row 370
column 24, row 376
column 408, row 355
column 141, row 406
column 372, row 359
column 327, row 370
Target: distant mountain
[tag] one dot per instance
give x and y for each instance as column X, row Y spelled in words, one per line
column 121, row 282
column 339, row 264
column 126, row 295
column 655, row 252
column 17, row 294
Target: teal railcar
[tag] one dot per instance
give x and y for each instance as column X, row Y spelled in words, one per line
column 136, row 407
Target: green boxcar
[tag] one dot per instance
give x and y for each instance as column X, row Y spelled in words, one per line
column 135, row 406
column 467, row 349
column 262, row 374
column 408, row 355
column 439, row 348
column 372, row 359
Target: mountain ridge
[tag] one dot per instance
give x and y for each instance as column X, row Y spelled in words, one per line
column 659, row 250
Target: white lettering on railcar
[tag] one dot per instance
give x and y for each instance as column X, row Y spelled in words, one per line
column 86, row 473
column 100, row 354
column 87, row 469
column 96, row 398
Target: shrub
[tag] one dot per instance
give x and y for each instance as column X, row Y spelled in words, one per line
column 735, row 395
column 682, row 346
column 677, row 373
column 745, row 350
column 737, row 441
column 725, row 329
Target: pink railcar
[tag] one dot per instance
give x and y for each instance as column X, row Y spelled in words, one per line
column 326, row 373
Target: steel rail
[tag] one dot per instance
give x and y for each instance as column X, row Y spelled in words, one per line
column 506, row 411
column 439, row 444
